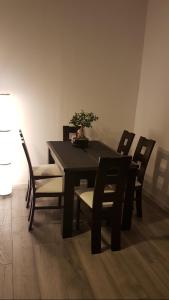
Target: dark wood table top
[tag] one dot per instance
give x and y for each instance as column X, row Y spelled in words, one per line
column 73, row 158
column 82, row 164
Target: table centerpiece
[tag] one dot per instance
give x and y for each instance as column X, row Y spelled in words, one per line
column 82, row 119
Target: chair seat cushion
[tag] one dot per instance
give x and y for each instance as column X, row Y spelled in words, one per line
column 47, row 170
column 86, row 194
column 50, row 185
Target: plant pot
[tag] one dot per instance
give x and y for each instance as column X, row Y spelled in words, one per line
column 80, row 142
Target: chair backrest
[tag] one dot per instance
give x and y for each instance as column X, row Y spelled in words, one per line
column 111, row 171
column 125, row 142
column 21, row 135
column 68, row 130
column 142, row 155
column 27, row 158
column 29, row 164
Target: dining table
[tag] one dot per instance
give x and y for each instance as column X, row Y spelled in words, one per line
column 81, row 163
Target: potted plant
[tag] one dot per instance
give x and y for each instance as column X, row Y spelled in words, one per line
column 82, row 119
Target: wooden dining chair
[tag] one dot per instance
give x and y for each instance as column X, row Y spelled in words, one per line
column 39, row 172
column 125, row 142
column 141, row 156
column 105, row 199
column 49, row 187
column 68, row 131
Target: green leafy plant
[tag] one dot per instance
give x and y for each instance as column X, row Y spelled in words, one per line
column 83, row 119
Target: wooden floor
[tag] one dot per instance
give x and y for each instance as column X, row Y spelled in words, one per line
column 41, row 265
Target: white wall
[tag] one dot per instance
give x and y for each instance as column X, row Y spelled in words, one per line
column 61, row 56
column 152, row 114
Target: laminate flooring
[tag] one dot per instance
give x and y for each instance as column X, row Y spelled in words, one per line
column 42, row 265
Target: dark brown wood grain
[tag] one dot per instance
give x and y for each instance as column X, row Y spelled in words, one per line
column 114, row 171
column 125, row 142
column 141, row 156
column 82, row 164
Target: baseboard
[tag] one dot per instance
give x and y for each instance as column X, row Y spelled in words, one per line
column 159, row 200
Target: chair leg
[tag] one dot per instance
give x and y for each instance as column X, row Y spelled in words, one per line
column 96, row 236
column 59, row 201
column 115, row 228
column 78, row 214
column 77, row 182
column 139, row 203
column 32, row 210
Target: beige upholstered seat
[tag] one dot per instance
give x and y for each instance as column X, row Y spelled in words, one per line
column 47, row 170
column 50, row 185
column 86, row 194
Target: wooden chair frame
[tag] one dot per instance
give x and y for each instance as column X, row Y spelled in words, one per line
column 36, row 195
column 67, row 130
column 111, row 171
column 66, row 137
column 125, row 142
column 36, row 177
column 142, row 159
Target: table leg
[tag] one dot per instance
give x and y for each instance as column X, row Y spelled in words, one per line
column 67, row 219
column 91, row 179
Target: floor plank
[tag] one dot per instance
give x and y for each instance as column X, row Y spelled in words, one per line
column 25, row 279
column 42, row 265
column 6, row 284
